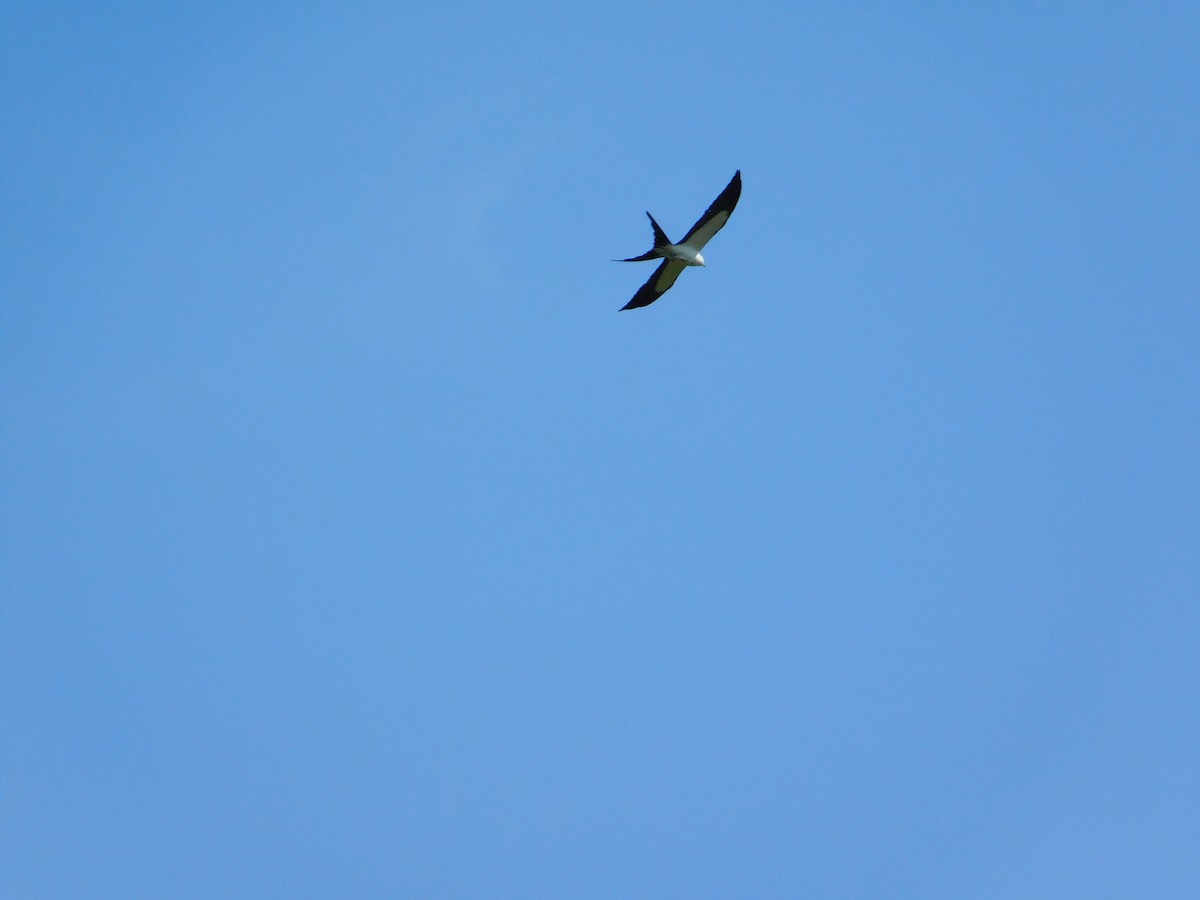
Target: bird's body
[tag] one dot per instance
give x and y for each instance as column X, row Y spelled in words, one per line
column 685, row 254
column 677, row 257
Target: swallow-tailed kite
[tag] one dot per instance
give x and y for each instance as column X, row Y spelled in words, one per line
column 687, row 252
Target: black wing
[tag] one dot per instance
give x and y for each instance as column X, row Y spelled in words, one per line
column 716, row 215
column 660, row 282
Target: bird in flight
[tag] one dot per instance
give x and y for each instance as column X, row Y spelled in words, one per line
column 676, row 257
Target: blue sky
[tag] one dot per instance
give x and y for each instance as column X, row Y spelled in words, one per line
column 355, row 545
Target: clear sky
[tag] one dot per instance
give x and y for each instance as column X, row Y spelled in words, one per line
column 355, row 545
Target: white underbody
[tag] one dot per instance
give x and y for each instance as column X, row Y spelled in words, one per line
column 684, row 253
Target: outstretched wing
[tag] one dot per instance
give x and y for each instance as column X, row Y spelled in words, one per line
column 716, row 215
column 660, row 282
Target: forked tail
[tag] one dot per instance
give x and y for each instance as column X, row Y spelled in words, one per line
column 660, row 240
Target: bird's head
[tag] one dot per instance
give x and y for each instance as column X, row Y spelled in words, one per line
column 699, row 260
